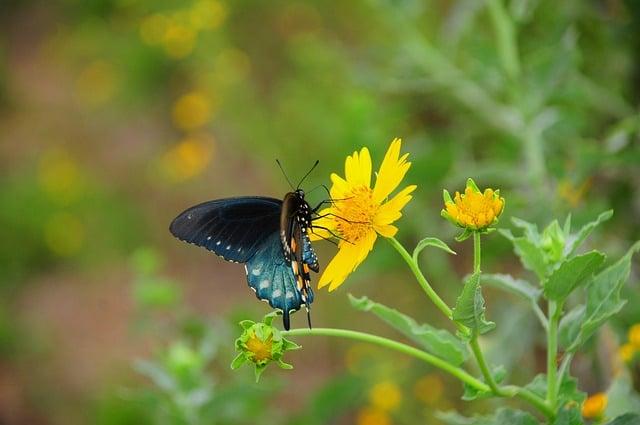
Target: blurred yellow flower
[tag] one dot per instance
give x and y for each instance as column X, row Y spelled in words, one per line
column 192, row 110
column 207, row 14
column 359, row 212
column 64, row 234
column 385, row 395
column 634, row 335
column 97, row 83
column 429, row 389
column 627, row 352
column 473, row 210
column 571, row 193
column 188, row 158
column 373, row 416
column 594, row 406
column 178, row 40
column 59, row 176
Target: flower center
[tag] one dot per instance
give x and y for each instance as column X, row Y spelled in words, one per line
column 356, row 213
column 475, row 210
column 261, row 349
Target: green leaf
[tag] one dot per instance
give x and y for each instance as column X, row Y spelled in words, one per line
column 571, row 274
column 508, row 283
column 575, row 240
column 603, row 297
column 466, row 234
column 530, row 254
column 626, row 419
column 530, row 229
column 553, row 242
column 570, row 326
column 431, row 242
column 568, row 415
column 469, row 309
column 238, row 361
column 437, row 341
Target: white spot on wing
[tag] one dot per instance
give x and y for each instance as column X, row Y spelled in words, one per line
column 289, row 294
column 277, row 293
column 228, row 247
column 257, row 270
column 265, row 284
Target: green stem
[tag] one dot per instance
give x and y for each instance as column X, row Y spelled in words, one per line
column 444, row 308
column 397, row 346
column 507, row 391
column 475, row 346
column 552, row 352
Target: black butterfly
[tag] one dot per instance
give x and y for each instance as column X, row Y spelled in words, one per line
column 270, row 236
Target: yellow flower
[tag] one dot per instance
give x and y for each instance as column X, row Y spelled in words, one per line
column 594, row 406
column 627, row 352
column 385, row 396
column 261, row 350
column 359, row 212
column 188, row 158
column 634, row 335
column 473, row 210
column 373, row 416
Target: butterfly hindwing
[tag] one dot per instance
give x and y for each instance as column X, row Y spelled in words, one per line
column 272, row 278
column 233, row 228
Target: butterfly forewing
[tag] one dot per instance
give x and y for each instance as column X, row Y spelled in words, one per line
column 232, row 228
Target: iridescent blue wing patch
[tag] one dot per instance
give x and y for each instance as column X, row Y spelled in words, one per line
column 271, row 276
column 232, row 228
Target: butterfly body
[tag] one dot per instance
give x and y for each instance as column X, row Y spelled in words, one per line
column 268, row 235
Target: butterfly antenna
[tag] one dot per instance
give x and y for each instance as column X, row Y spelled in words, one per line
column 308, row 172
column 284, row 174
column 309, row 316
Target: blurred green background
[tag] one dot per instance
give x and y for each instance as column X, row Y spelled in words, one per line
column 115, row 115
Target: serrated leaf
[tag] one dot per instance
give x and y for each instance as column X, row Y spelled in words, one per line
column 530, row 229
column 469, row 309
column 439, row 342
column 570, row 326
column 575, row 240
column 507, row 282
column 603, row 297
column 435, row 242
column 626, row 419
column 531, row 255
column 571, row 274
column 568, row 415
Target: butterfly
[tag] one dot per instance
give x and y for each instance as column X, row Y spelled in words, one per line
column 270, row 236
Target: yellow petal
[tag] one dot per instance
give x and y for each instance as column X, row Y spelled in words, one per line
column 391, row 173
column 340, row 188
column 358, row 168
column 391, row 211
column 386, row 230
column 346, row 260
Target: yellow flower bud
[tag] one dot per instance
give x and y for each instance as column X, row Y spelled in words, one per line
column 594, row 406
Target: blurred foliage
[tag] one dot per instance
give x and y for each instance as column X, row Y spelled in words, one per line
column 116, row 114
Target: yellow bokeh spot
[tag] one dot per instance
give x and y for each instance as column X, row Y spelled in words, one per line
column 573, row 194
column 59, row 176
column 64, row 234
column 192, row 110
column 627, row 352
column 178, row 40
column 153, row 28
column 188, row 158
column 207, row 14
column 594, row 406
column 385, row 395
column 261, row 350
column 373, row 416
column 429, row 389
column 96, row 83
column 634, row 335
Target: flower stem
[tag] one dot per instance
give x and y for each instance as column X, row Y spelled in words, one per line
column 552, row 352
column 444, row 308
column 394, row 345
column 507, row 391
column 475, row 346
